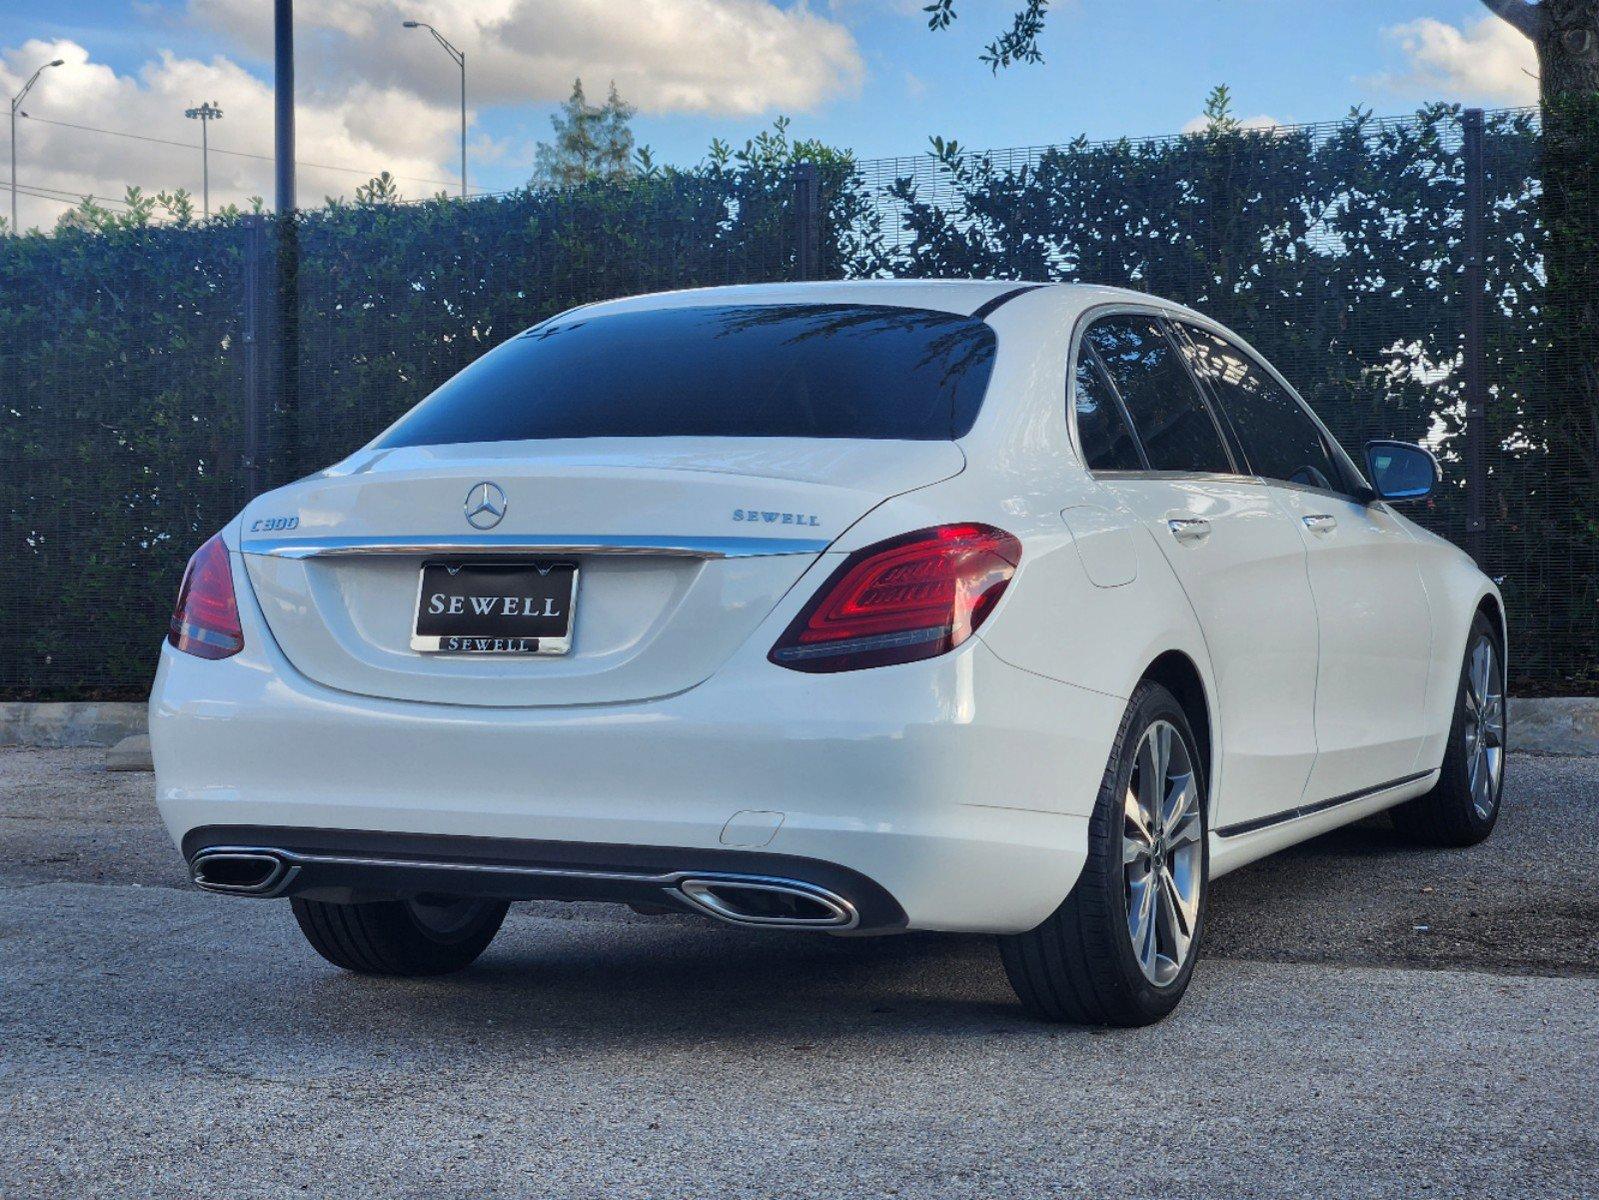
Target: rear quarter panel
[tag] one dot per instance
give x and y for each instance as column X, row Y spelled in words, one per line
column 1023, row 475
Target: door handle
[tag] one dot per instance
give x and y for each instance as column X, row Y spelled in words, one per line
column 1320, row 522
column 1188, row 529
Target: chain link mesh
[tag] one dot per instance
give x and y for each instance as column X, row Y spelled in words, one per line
column 1339, row 250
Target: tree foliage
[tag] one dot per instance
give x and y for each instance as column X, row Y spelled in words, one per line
column 122, row 361
column 593, row 142
column 1338, row 251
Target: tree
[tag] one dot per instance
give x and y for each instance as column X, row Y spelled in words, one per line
column 380, row 189
column 1565, row 34
column 592, row 142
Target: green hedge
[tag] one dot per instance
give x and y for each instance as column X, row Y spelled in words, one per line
column 1336, row 249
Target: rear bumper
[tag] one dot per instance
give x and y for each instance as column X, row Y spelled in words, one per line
column 958, row 788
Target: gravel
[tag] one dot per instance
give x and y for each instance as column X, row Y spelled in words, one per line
column 156, row 1041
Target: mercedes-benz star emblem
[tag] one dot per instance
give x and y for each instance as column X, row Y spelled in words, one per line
column 485, row 506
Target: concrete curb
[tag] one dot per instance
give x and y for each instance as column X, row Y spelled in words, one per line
column 130, row 754
column 104, row 723
column 1564, row 725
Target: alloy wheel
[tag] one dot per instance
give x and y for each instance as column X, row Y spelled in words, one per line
column 1484, row 727
column 1162, row 854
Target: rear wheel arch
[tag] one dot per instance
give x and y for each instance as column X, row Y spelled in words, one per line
column 1491, row 607
column 1179, row 675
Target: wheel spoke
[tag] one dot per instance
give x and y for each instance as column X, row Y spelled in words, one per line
column 1179, row 929
column 1184, row 834
column 1493, row 721
column 1160, row 742
column 1480, row 675
column 1137, row 819
column 1151, row 782
column 1181, row 804
column 1481, row 784
column 1140, row 916
column 1186, row 909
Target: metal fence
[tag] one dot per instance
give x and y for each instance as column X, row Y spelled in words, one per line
column 152, row 380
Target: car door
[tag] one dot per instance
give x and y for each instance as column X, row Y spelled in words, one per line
column 1149, row 435
column 1372, row 611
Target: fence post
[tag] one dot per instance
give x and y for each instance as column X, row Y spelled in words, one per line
column 807, row 234
column 1474, row 349
column 255, row 391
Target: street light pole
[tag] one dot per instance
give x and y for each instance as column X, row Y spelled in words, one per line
column 460, row 60
column 16, row 103
column 205, row 114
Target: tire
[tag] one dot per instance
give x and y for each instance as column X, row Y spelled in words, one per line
column 1463, row 806
column 428, row 935
column 1081, row 964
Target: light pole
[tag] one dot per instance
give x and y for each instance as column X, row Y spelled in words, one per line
column 460, row 60
column 16, row 102
column 205, row 114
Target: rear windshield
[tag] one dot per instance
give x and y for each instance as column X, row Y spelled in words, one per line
column 790, row 370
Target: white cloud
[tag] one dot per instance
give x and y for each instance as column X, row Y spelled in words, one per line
column 373, row 96
column 1488, row 61
column 1259, row 121
column 739, row 57
column 366, row 128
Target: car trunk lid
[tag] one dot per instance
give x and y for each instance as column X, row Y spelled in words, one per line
column 683, row 546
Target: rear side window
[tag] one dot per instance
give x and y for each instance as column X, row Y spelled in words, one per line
column 1176, row 429
column 771, row 370
column 1101, row 428
column 1279, row 437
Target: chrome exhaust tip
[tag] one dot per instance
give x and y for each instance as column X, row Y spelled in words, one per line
column 788, row 903
column 241, row 871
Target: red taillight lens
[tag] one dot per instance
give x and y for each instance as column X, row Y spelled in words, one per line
column 908, row 598
column 205, row 622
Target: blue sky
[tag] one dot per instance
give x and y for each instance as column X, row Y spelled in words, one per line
column 865, row 74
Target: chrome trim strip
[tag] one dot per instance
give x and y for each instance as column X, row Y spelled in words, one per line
column 1319, row 806
column 684, row 547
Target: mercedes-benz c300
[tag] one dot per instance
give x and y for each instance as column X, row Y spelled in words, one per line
column 848, row 607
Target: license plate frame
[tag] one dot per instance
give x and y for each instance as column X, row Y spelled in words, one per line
column 495, row 633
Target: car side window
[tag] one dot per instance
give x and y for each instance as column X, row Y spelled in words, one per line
column 1171, row 418
column 1278, row 435
column 1107, row 442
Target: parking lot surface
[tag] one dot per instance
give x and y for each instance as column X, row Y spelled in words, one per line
column 1371, row 1020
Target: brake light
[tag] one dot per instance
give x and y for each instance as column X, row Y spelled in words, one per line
column 908, row 598
column 205, row 621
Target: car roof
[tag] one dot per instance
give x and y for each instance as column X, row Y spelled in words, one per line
column 941, row 295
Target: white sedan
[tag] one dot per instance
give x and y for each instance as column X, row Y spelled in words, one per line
column 853, row 607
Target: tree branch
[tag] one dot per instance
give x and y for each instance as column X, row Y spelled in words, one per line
column 1526, row 17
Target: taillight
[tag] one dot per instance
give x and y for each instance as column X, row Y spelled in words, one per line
column 911, row 597
column 205, row 622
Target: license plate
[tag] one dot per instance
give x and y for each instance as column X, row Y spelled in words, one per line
column 495, row 608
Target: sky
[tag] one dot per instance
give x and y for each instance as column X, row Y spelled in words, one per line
column 862, row 74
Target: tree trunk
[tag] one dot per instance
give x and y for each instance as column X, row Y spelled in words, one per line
column 1567, row 39
column 1566, row 35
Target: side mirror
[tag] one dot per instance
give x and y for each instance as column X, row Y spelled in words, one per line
column 1401, row 471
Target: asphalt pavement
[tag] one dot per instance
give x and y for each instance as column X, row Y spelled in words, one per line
column 1370, row 1020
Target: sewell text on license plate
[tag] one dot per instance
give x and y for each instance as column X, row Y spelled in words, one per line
column 495, row 607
